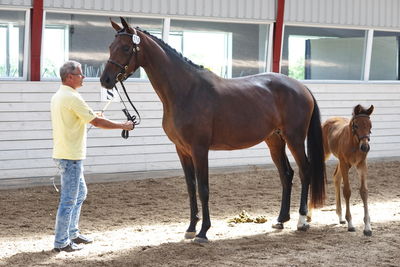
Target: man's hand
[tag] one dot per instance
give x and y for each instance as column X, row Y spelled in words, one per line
column 128, row 125
column 99, row 114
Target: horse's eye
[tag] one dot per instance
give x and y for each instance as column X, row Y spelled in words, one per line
column 125, row 48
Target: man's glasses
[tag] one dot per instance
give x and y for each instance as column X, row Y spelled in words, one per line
column 77, row 74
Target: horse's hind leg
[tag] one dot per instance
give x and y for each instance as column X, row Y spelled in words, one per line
column 337, row 179
column 278, row 154
column 296, row 145
column 188, row 169
column 362, row 171
column 344, row 169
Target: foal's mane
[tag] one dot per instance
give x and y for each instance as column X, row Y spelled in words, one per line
column 171, row 51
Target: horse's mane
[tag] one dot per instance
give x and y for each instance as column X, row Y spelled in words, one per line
column 167, row 48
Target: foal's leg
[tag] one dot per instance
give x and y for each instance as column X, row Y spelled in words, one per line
column 188, row 169
column 296, row 146
column 337, row 178
column 344, row 169
column 200, row 160
column 278, row 154
column 362, row 172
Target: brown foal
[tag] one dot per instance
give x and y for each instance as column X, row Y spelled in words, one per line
column 348, row 140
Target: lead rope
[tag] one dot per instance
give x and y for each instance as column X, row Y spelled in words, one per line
column 54, row 183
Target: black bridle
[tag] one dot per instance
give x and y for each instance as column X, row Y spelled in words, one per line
column 354, row 130
column 122, row 76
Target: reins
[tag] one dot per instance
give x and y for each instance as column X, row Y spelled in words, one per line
column 129, row 117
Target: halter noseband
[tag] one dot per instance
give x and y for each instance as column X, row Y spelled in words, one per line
column 123, row 75
column 353, row 129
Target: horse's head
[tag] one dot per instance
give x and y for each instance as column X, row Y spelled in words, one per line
column 361, row 126
column 124, row 55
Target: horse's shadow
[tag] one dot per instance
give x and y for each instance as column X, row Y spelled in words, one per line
column 322, row 245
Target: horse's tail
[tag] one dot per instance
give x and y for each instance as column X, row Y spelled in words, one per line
column 315, row 153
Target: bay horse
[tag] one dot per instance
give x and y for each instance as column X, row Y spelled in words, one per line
column 348, row 140
column 203, row 112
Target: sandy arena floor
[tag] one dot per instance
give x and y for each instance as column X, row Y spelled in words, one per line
column 142, row 223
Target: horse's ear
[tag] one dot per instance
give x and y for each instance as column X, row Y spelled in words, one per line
column 357, row 110
column 124, row 23
column 115, row 25
column 369, row 111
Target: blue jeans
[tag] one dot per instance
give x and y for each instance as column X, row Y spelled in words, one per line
column 73, row 193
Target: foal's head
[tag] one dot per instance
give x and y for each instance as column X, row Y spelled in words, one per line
column 361, row 126
column 124, row 55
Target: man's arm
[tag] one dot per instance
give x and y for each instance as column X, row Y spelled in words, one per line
column 107, row 124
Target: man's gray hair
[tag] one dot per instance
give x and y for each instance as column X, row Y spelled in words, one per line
column 68, row 68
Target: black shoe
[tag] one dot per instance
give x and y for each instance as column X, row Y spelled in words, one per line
column 81, row 239
column 71, row 247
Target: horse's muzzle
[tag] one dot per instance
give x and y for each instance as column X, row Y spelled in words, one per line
column 107, row 82
column 364, row 148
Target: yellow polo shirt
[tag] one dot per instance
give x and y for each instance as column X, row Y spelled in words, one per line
column 69, row 116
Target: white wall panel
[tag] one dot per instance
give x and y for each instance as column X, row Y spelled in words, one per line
column 219, row 9
column 26, row 145
column 16, row 3
column 357, row 13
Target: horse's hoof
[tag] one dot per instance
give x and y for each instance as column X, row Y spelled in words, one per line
column 309, row 219
column 303, row 227
column 200, row 240
column 190, row 235
column 351, row 229
column 277, row 225
column 367, row 232
column 342, row 222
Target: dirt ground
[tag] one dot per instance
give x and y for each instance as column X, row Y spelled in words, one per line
column 142, row 223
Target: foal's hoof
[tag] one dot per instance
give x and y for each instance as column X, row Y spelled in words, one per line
column 342, row 222
column 309, row 219
column 200, row 240
column 277, row 225
column 351, row 229
column 190, row 235
column 367, row 232
column 303, row 227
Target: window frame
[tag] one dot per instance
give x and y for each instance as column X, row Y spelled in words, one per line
column 372, row 38
column 166, row 21
column 26, row 50
column 367, row 52
column 269, row 40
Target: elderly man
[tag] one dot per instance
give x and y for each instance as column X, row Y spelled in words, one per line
column 69, row 116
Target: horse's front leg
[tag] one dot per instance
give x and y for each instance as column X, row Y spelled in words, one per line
column 362, row 172
column 188, row 169
column 200, row 160
column 344, row 169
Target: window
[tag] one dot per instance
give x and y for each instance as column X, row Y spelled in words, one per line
column 84, row 38
column 227, row 49
column 323, row 53
column 55, row 49
column 12, row 31
column 385, row 56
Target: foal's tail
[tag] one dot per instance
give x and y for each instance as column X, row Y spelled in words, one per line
column 315, row 152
